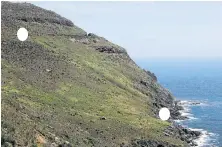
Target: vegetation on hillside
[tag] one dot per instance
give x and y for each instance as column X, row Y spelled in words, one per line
column 64, row 87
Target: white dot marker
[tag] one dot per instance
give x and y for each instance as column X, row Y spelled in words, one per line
column 22, row 34
column 164, row 113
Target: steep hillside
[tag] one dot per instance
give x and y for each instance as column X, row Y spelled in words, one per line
column 64, row 87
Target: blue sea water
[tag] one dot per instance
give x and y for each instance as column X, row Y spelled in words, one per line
column 194, row 80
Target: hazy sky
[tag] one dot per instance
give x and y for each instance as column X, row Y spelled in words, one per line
column 151, row 29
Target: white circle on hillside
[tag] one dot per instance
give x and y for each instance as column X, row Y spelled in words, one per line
column 22, row 34
column 164, row 113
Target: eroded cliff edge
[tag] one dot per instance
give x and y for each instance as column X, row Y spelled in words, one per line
column 66, row 87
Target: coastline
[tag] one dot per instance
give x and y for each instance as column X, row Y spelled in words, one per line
column 203, row 139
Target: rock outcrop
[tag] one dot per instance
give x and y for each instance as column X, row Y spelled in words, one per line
column 185, row 134
column 151, row 74
column 38, row 16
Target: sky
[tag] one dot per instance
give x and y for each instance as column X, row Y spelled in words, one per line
column 151, row 29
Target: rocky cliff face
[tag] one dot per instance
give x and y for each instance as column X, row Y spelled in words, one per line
column 64, row 87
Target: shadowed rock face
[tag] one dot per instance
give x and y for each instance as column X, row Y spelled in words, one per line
column 64, row 87
column 105, row 49
column 152, row 75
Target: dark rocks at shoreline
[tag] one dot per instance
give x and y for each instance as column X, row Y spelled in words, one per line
column 179, row 106
column 191, row 103
column 182, row 133
column 178, row 131
column 175, row 112
column 196, row 103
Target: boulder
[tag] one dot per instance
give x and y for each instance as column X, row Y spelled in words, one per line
column 102, row 118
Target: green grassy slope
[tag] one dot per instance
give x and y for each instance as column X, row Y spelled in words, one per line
column 58, row 87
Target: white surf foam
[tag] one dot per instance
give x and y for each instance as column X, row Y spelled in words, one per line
column 186, row 109
column 205, row 137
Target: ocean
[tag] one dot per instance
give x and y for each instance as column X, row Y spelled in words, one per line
column 193, row 80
